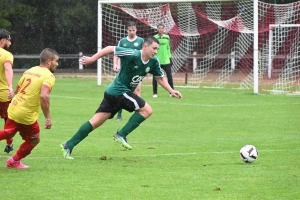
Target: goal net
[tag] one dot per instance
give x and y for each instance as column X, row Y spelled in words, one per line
column 284, row 57
column 212, row 41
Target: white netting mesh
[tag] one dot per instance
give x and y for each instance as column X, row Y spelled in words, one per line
column 213, row 41
column 289, row 55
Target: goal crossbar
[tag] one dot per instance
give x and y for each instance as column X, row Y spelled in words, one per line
column 218, row 43
column 157, row 1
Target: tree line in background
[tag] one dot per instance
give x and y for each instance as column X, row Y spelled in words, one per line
column 68, row 26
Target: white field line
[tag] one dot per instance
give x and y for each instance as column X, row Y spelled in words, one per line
column 185, row 104
column 157, row 155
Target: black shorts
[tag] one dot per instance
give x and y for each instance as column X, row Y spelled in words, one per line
column 127, row 101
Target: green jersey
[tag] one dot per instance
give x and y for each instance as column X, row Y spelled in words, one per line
column 164, row 51
column 133, row 70
column 137, row 43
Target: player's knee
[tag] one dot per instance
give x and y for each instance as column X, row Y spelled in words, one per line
column 9, row 135
column 150, row 111
column 146, row 111
column 137, row 92
column 35, row 141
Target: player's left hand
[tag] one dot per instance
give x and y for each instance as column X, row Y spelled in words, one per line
column 116, row 68
column 48, row 124
column 11, row 93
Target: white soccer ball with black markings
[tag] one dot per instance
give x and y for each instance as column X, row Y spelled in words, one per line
column 248, row 153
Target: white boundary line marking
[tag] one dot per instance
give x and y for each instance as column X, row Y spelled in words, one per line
column 156, row 155
column 186, row 104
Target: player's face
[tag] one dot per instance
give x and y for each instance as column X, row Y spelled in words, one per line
column 151, row 50
column 160, row 30
column 131, row 31
column 54, row 64
column 7, row 43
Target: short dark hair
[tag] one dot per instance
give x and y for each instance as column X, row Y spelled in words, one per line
column 4, row 34
column 160, row 24
column 130, row 23
column 46, row 54
column 150, row 39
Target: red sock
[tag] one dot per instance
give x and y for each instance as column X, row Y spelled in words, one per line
column 23, row 151
column 9, row 141
column 3, row 135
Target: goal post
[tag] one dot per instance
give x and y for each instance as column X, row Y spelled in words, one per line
column 99, row 44
column 219, row 44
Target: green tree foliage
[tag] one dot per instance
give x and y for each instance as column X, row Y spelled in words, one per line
column 4, row 23
column 68, row 26
column 13, row 12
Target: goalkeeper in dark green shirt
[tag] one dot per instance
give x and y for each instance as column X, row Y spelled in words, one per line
column 164, row 57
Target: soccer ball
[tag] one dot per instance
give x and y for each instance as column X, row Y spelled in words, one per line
column 249, row 153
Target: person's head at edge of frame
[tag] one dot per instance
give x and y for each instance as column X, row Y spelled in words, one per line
column 150, row 46
column 49, row 58
column 131, row 29
column 160, row 29
column 5, row 39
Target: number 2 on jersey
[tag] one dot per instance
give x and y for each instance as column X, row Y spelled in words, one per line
column 25, row 83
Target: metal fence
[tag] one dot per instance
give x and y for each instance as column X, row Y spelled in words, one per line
column 66, row 62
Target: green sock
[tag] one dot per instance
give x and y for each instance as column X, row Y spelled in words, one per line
column 134, row 121
column 82, row 133
column 120, row 112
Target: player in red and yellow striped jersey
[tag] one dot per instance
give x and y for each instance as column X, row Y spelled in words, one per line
column 33, row 91
column 6, row 79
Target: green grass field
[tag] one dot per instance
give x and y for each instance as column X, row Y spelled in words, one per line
column 188, row 149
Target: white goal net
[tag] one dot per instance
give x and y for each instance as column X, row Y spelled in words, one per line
column 212, row 42
column 284, row 57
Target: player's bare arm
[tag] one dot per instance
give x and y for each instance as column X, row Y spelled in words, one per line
column 116, row 67
column 9, row 79
column 86, row 60
column 45, row 105
column 164, row 83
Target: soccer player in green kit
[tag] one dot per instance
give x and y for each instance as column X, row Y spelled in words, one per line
column 132, row 41
column 164, row 57
column 136, row 64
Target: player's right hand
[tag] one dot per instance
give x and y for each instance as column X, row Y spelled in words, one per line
column 85, row 60
column 177, row 94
